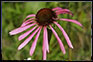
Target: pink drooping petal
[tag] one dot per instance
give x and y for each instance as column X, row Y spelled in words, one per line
column 26, row 33
column 59, row 41
column 44, row 39
column 28, row 39
column 20, row 29
column 27, row 22
column 44, row 54
column 70, row 20
column 63, row 11
column 65, row 35
column 47, row 46
column 57, row 8
column 44, row 45
column 31, row 15
column 34, row 43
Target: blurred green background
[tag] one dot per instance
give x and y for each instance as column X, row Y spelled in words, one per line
column 13, row 14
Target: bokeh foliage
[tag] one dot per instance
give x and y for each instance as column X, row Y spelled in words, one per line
column 13, row 14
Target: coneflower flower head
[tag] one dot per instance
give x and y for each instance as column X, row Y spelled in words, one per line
column 44, row 18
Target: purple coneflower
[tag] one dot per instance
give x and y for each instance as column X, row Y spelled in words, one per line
column 44, row 18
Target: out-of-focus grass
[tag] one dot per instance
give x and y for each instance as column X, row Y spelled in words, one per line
column 13, row 14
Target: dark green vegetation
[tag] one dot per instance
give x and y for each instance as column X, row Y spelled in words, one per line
column 13, row 14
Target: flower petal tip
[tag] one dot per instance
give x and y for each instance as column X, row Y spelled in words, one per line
column 19, row 39
column 72, row 47
column 64, row 52
column 81, row 25
column 30, row 54
column 48, row 51
column 10, row 33
column 19, row 48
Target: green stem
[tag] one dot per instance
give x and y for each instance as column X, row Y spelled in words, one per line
column 69, row 31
